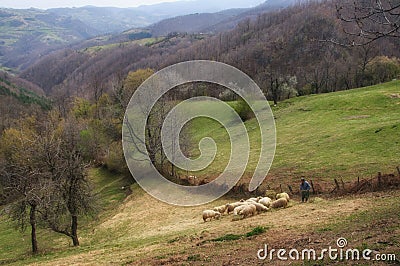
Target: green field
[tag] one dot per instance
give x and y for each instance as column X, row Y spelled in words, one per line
column 141, row 42
column 346, row 134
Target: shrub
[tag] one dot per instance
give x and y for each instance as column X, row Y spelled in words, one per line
column 243, row 110
column 382, row 69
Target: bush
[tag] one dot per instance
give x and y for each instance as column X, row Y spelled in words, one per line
column 115, row 160
column 244, row 110
column 382, row 69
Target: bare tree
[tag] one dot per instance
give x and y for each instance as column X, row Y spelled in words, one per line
column 44, row 176
column 370, row 20
column 70, row 194
column 21, row 182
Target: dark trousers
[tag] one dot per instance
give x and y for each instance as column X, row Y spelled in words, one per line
column 305, row 194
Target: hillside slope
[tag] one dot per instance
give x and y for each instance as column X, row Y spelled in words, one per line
column 143, row 231
column 212, row 23
column 26, row 35
column 194, row 23
column 347, row 134
column 264, row 49
column 19, row 98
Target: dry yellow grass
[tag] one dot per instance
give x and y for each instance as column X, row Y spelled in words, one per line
column 144, row 229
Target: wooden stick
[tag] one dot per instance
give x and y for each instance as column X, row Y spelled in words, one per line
column 312, row 186
column 379, row 179
column 337, row 184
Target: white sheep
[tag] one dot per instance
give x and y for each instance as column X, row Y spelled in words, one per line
column 238, row 209
column 220, row 209
column 231, row 206
column 248, row 210
column 265, row 201
column 253, row 199
column 279, row 203
column 210, row 214
column 283, row 195
column 259, row 207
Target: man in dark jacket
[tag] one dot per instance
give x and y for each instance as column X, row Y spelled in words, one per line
column 305, row 190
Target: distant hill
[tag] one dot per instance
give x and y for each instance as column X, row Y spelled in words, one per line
column 26, row 35
column 194, row 23
column 214, row 22
column 111, row 20
column 18, row 98
column 251, row 13
column 108, row 19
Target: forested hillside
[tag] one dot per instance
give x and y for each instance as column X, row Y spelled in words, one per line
column 274, row 48
column 19, row 98
column 28, row 34
column 212, row 23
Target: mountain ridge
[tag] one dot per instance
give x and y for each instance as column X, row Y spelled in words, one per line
column 28, row 34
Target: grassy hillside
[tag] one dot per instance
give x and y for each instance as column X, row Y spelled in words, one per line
column 347, row 134
column 15, row 245
column 143, row 231
column 342, row 134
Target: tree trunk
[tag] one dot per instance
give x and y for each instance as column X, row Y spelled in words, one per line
column 273, row 91
column 32, row 219
column 74, row 230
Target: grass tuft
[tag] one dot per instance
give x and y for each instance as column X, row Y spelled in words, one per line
column 259, row 230
column 228, row 237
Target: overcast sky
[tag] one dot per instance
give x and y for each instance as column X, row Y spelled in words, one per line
column 45, row 4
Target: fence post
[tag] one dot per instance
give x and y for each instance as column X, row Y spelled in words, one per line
column 312, row 186
column 341, row 179
column 337, row 184
column 379, row 179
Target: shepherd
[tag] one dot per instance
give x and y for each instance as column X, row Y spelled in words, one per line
column 305, row 190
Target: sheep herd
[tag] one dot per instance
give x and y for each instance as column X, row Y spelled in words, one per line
column 247, row 208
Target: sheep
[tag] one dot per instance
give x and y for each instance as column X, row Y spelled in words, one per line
column 238, row 209
column 283, row 195
column 248, row 210
column 210, row 214
column 259, row 207
column 253, row 199
column 279, row 203
column 265, row 201
column 220, row 209
column 231, row 206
